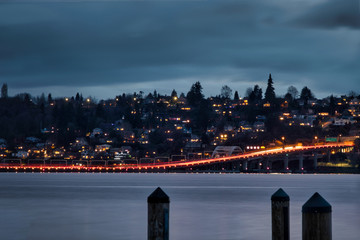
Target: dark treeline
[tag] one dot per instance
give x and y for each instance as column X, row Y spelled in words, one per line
column 168, row 123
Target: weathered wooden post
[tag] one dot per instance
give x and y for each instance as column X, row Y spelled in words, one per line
column 280, row 215
column 316, row 219
column 158, row 215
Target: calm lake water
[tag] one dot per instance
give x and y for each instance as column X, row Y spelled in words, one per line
column 202, row 206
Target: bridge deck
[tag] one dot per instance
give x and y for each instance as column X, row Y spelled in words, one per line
column 180, row 164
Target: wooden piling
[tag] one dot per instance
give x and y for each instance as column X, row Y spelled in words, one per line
column 280, row 215
column 158, row 215
column 316, row 219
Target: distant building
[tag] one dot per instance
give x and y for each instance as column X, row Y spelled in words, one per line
column 96, row 132
column 343, row 121
column 259, row 126
column 354, row 102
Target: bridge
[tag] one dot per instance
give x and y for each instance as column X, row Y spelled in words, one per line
column 239, row 162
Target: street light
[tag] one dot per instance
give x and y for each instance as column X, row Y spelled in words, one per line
column 283, row 139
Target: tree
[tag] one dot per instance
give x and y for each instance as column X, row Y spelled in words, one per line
column 4, row 91
column 236, row 96
column 256, row 94
column 194, row 96
column 174, row 97
column 352, row 94
column 77, row 98
column 41, row 99
column 173, row 94
column 306, row 94
column 270, row 91
column 49, row 98
column 226, row 92
column 155, row 94
column 27, row 98
column 293, row 92
column 248, row 92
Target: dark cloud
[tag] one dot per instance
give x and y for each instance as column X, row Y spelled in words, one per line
column 158, row 44
column 332, row 14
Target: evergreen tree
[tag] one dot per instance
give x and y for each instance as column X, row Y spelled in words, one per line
column 49, row 98
column 149, row 96
column 252, row 97
column 4, row 91
column 194, row 96
column 173, row 93
column 174, row 97
column 27, row 98
column 256, row 94
column 42, row 98
column 306, row 94
column 270, row 91
column 248, row 92
column 236, row 96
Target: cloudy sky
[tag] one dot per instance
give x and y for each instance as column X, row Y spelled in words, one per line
column 103, row 48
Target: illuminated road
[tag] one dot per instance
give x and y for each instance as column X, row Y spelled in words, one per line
column 264, row 153
column 179, row 164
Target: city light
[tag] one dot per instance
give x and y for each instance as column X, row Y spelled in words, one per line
column 181, row 163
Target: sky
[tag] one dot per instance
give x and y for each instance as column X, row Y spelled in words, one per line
column 103, row 48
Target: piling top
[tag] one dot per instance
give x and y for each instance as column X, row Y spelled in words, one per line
column 158, row 196
column 316, row 204
column 280, row 195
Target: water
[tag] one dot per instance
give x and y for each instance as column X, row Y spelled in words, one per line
column 203, row 206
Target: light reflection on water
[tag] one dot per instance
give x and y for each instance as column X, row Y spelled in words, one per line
column 203, row 206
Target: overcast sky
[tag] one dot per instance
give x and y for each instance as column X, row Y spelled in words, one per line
column 104, row 48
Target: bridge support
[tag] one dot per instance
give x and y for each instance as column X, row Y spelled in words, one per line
column 237, row 166
column 245, row 165
column 301, row 162
column 315, row 159
column 286, row 163
column 259, row 164
column 328, row 155
column 266, row 164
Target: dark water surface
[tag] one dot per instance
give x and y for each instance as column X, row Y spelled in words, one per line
column 61, row 206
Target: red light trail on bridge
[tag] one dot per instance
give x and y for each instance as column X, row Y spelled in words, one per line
column 178, row 164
